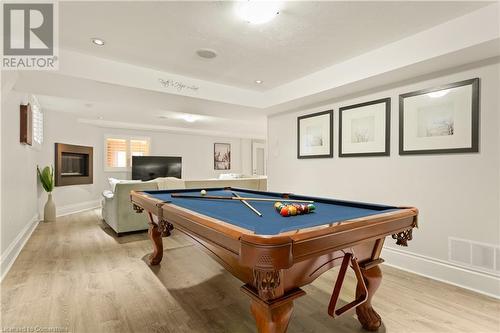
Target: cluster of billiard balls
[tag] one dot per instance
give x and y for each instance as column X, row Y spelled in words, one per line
column 293, row 209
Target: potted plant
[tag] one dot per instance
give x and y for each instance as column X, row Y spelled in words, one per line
column 46, row 177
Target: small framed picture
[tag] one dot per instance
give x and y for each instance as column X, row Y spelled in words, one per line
column 315, row 135
column 222, row 156
column 365, row 129
column 440, row 120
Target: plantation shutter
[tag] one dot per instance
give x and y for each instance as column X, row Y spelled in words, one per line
column 116, row 153
column 139, row 147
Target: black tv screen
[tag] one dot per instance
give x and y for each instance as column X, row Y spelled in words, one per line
column 151, row 167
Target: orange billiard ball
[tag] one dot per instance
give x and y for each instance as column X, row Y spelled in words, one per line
column 284, row 211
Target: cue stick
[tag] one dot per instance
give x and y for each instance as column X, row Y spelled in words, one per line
column 176, row 195
column 247, row 204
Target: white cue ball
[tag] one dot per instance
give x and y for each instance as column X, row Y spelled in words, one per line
column 203, row 192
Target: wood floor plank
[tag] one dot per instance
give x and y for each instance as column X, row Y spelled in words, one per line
column 77, row 274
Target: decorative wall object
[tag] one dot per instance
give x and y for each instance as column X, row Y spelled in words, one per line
column 222, row 156
column 177, row 85
column 364, row 129
column 315, row 135
column 440, row 120
column 26, row 125
column 46, row 177
column 74, row 164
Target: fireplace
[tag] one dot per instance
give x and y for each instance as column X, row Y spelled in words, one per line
column 73, row 164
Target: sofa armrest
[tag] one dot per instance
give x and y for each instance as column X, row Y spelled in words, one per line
column 107, row 194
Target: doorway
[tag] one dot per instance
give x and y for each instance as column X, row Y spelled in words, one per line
column 258, row 159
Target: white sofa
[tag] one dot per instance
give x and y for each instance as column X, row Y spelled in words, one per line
column 117, row 210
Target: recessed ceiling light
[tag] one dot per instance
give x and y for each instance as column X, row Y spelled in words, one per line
column 258, row 12
column 259, row 81
column 439, row 93
column 189, row 118
column 98, row 41
column 100, row 118
column 206, row 53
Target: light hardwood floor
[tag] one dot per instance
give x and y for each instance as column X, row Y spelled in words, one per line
column 75, row 274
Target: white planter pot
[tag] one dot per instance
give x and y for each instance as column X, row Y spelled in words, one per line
column 49, row 211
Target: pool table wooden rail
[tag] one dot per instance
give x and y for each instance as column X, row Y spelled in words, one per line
column 334, row 236
column 274, row 267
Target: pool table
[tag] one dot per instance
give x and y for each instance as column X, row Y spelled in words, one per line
column 274, row 255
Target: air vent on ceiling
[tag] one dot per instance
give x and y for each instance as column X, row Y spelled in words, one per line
column 206, row 53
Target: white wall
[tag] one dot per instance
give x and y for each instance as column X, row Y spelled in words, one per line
column 19, row 182
column 22, row 198
column 457, row 194
column 196, row 152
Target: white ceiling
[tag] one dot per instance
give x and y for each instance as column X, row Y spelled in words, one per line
column 106, row 103
column 310, row 53
column 305, row 37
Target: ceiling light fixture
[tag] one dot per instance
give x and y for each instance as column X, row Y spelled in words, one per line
column 206, row 53
column 189, row 118
column 259, row 81
column 98, row 41
column 258, row 12
column 439, row 93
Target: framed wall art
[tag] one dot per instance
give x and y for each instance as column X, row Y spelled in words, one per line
column 440, row 120
column 364, row 129
column 315, row 135
column 222, row 156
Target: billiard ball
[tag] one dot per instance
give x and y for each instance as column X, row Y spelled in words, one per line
column 300, row 209
column 284, row 211
column 203, row 192
column 311, row 207
column 292, row 210
column 277, row 206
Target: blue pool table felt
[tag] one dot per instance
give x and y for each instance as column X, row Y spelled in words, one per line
column 327, row 211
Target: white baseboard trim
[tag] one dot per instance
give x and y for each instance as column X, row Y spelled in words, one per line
column 77, row 208
column 11, row 253
column 440, row 270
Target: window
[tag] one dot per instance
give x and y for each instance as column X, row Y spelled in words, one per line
column 119, row 151
column 139, row 147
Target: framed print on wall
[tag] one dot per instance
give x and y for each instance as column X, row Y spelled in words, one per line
column 315, row 135
column 364, row 129
column 222, row 156
column 440, row 120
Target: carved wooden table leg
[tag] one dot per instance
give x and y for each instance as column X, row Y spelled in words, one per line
column 271, row 319
column 367, row 316
column 155, row 235
column 272, row 316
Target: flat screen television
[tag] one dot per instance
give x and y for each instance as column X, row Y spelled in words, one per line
column 151, row 167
